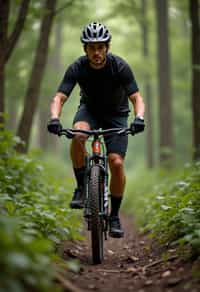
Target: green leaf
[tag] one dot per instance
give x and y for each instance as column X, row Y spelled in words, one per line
column 73, row 266
column 165, row 207
column 18, row 260
column 10, row 206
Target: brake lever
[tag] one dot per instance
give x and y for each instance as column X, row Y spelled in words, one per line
column 67, row 133
column 121, row 132
column 124, row 131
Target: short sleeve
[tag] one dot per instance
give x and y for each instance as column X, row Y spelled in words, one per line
column 128, row 79
column 69, row 81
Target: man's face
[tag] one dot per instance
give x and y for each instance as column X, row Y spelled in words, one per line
column 96, row 53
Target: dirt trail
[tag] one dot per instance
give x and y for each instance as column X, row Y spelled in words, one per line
column 133, row 263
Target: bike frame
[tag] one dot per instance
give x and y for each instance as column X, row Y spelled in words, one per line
column 96, row 207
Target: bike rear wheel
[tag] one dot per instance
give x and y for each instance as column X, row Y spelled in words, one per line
column 96, row 219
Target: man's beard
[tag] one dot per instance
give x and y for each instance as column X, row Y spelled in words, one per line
column 98, row 64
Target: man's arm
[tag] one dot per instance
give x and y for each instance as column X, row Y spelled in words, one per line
column 57, row 104
column 138, row 104
column 139, row 108
column 54, row 126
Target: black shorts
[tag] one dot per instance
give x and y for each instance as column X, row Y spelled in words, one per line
column 114, row 143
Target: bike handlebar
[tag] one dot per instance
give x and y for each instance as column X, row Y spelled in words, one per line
column 71, row 132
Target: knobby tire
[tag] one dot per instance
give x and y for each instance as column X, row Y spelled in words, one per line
column 96, row 220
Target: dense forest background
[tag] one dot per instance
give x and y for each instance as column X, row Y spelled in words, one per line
column 154, row 37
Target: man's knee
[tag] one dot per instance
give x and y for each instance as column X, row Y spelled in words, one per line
column 116, row 161
column 80, row 137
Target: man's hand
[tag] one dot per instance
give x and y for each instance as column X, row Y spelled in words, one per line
column 54, row 126
column 137, row 125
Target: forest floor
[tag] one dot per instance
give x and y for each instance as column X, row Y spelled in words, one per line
column 133, row 263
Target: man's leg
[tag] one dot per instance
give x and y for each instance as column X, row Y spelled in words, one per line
column 78, row 152
column 116, row 148
column 117, row 186
column 118, row 179
column 83, row 120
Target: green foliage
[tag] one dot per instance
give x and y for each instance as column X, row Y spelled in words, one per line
column 33, row 218
column 25, row 260
column 170, row 209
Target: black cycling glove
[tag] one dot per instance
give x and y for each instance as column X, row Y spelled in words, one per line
column 54, row 126
column 137, row 125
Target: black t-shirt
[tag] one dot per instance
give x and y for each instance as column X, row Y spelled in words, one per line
column 104, row 90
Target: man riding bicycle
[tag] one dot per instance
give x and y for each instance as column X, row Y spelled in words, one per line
column 106, row 83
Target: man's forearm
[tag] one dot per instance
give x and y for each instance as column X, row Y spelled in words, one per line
column 138, row 104
column 57, row 104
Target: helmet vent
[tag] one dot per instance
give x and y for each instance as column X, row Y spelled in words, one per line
column 89, row 33
column 101, row 31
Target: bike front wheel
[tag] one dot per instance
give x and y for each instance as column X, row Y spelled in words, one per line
column 96, row 218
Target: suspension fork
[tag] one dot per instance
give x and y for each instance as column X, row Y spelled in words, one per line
column 96, row 149
column 86, row 183
column 105, row 196
column 106, row 199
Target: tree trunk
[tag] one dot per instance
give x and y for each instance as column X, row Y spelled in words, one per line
column 32, row 94
column 149, row 130
column 2, row 90
column 18, row 26
column 195, row 47
column 42, row 129
column 165, row 95
column 4, row 8
column 7, row 43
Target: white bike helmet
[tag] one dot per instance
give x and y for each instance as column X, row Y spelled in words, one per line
column 95, row 32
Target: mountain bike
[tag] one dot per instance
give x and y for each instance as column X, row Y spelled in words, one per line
column 96, row 199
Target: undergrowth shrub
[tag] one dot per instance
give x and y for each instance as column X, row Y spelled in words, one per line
column 34, row 216
column 168, row 204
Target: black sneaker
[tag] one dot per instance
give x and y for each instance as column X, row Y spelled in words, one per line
column 115, row 227
column 77, row 201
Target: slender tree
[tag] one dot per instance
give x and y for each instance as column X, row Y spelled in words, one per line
column 195, row 48
column 32, row 93
column 148, row 90
column 165, row 92
column 8, row 42
column 42, row 129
